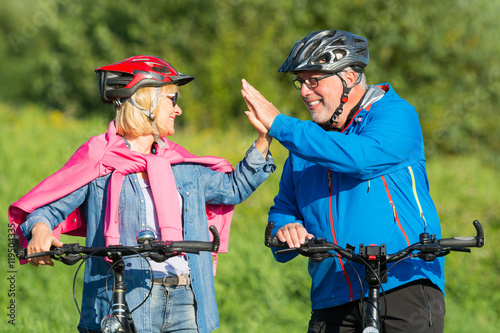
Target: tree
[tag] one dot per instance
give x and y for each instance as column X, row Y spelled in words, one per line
column 431, row 52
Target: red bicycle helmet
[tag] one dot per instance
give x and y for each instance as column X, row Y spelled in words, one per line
column 124, row 78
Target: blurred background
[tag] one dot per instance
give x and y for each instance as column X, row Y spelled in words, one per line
column 441, row 56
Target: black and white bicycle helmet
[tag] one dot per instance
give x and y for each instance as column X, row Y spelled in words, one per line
column 329, row 51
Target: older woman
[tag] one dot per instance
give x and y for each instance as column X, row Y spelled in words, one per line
column 132, row 178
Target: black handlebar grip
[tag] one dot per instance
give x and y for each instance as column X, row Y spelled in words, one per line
column 271, row 241
column 18, row 249
column 480, row 233
column 268, row 235
column 216, row 241
column 477, row 241
column 197, row 246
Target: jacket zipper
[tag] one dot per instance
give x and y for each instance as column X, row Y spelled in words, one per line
column 330, row 185
column 339, row 258
column 394, row 211
column 414, row 188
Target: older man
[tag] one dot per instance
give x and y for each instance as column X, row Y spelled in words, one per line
column 355, row 174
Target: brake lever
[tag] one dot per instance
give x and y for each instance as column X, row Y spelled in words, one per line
column 439, row 251
column 303, row 249
column 68, row 259
column 158, row 257
column 308, row 248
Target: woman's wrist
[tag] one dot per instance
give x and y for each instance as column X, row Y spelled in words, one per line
column 262, row 144
column 40, row 227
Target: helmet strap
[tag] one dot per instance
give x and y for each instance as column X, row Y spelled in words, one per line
column 343, row 99
column 119, row 103
column 158, row 140
column 151, row 116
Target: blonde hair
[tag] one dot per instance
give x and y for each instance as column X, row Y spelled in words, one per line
column 132, row 121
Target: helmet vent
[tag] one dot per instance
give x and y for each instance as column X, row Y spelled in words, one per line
column 362, row 52
column 339, row 54
column 324, row 58
column 118, row 80
column 338, row 42
column 310, row 49
column 329, row 34
column 160, row 70
column 296, row 49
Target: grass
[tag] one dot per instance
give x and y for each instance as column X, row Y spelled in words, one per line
column 255, row 293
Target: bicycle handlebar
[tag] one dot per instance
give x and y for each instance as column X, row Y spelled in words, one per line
column 69, row 254
column 375, row 259
column 428, row 248
column 477, row 241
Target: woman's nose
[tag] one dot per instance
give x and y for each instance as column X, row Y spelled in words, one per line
column 178, row 110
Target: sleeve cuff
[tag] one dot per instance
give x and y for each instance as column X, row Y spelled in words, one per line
column 256, row 161
column 30, row 223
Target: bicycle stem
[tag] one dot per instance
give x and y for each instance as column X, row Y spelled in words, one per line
column 120, row 307
column 375, row 275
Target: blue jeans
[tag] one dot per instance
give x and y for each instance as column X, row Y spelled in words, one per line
column 173, row 309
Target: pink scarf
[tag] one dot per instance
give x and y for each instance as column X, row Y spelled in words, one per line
column 108, row 153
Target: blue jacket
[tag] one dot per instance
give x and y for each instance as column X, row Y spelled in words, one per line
column 197, row 185
column 367, row 184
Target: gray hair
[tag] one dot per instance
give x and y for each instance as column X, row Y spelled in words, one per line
column 362, row 77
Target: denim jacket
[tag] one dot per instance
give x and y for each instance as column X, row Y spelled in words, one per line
column 197, row 185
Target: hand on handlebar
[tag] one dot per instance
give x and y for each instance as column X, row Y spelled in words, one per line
column 42, row 240
column 43, row 246
column 294, row 234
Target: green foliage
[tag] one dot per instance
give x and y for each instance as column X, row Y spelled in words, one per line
column 433, row 53
column 255, row 293
column 36, row 145
column 464, row 189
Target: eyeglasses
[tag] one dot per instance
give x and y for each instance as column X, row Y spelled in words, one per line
column 311, row 82
column 173, row 97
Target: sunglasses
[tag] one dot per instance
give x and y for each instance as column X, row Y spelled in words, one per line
column 173, row 97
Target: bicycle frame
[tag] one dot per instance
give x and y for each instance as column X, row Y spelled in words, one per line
column 375, row 260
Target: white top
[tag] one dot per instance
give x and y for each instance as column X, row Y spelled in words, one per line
column 173, row 266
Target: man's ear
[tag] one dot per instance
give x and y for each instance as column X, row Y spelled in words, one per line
column 350, row 77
